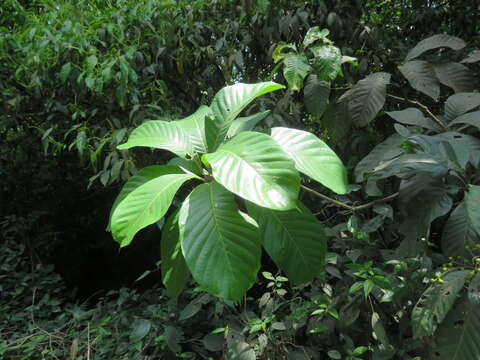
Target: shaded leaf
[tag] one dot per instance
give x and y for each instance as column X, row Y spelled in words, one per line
column 413, row 116
column 421, row 76
column 458, row 338
column 434, row 42
column 474, row 290
column 472, row 205
column 174, row 270
column 435, row 303
column 294, row 239
column 458, row 233
column 459, row 104
column 246, row 123
column 316, row 95
column 473, row 57
column 386, row 150
column 471, row 118
column 141, row 327
column 367, row 97
column 455, row 76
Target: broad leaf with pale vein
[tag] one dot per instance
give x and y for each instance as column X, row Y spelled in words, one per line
column 231, row 100
column 246, row 123
column 327, row 62
column 195, row 127
column 221, row 246
column 421, row 76
column 458, row 233
column 294, row 239
column 455, row 75
column 295, row 69
column 413, row 116
column 145, row 205
column 174, row 270
column 313, row 157
column 434, row 42
column 160, row 135
column 383, row 152
column 458, row 104
column 472, row 204
column 141, row 177
column 471, row 118
column 458, row 337
column 435, row 303
column 367, row 97
column 252, row 165
column 316, row 95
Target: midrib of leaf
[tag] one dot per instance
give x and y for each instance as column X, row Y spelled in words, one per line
column 214, row 217
column 250, row 166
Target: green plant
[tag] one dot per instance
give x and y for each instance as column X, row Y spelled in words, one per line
column 218, row 243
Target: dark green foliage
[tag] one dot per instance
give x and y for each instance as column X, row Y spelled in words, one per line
column 77, row 76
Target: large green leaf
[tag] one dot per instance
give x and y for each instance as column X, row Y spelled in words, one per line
column 421, row 76
column 367, row 97
column 174, row 270
column 160, row 135
column 141, row 177
column 413, row 116
column 221, row 246
column 246, row 123
column 327, row 62
column 434, row 42
column 458, row 233
column 313, row 157
column 316, row 95
column 455, row 76
column 386, row 150
column 195, row 127
column 459, row 104
column 458, row 338
column 144, row 205
column 294, row 239
column 435, row 303
column 295, row 69
column 231, row 100
column 472, row 204
column 253, row 166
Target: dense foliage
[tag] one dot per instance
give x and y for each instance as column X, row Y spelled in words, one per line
column 397, row 100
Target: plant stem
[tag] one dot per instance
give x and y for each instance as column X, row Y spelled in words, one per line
column 349, row 207
column 425, row 108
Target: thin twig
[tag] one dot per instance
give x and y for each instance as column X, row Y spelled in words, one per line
column 425, row 108
column 88, row 341
column 349, row 207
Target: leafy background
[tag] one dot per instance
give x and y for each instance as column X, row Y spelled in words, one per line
column 76, row 77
